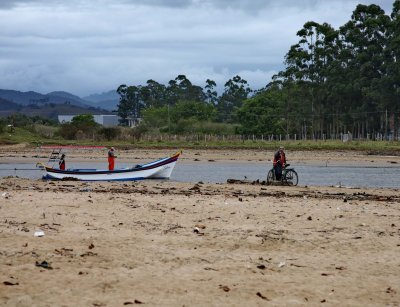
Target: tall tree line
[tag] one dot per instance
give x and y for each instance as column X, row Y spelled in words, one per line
column 153, row 95
column 345, row 79
column 335, row 81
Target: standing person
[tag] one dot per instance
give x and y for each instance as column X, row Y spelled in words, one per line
column 279, row 162
column 61, row 162
column 111, row 159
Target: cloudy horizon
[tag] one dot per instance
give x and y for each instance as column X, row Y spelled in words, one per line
column 87, row 47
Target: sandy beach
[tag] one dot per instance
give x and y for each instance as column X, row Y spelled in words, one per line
column 163, row 243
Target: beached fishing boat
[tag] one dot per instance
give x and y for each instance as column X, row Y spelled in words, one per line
column 159, row 169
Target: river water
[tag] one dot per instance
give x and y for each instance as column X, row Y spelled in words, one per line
column 215, row 172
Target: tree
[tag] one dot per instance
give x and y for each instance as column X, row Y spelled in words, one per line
column 211, row 95
column 130, row 102
column 390, row 85
column 83, row 125
column 155, row 118
column 363, row 57
column 84, row 121
column 182, row 89
column 153, row 94
column 310, row 63
column 236, row 90
column 193, row 109
column 261, row 114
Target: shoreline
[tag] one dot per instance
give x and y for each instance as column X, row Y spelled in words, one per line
column 22, row 154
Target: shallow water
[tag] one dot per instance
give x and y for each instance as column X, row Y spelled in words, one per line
column 215, row 172
column 308, row 175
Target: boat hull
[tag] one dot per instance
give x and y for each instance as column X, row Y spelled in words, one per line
column 160, row 169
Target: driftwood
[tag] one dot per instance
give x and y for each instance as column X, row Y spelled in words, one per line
column 255, row 182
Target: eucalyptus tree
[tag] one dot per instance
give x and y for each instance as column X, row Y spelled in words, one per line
column 153, row 94
column 172, row 92
column 188, row 91
column 363, row 56
column 236, row 90
column 182, row 89
column 309, row 63
column 123, row 106
column 211, row 95
column 391, row 81
column 130, row 102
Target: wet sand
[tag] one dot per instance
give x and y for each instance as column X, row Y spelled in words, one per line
column 25, row 154
column 162, row 243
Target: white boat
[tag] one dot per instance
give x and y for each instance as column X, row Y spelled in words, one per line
column 159, row 169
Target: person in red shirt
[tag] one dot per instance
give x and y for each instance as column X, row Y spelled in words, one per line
column 279, row 162
column 61, row 162
column 111, row 159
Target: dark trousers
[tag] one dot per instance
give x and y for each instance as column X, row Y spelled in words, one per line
column 278, row 171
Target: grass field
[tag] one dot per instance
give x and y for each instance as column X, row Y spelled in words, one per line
column 20, row 135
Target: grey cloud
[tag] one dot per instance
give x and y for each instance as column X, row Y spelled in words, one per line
column 83, row 47
column 245, row 5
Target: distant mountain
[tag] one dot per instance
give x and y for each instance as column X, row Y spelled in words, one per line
column 50, row 105
column 61, row 97
column 53, row 110
column 34, row 98
column 8, row 105
column 23, row 98
column 107, row 100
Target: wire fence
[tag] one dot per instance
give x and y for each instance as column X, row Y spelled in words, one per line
column 343, row 137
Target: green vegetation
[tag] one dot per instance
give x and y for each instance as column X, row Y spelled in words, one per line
column 127, row 141
column 81, row 127
column 336, row 81
column 19, row 135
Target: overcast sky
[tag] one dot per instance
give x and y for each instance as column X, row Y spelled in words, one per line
column 92, row 46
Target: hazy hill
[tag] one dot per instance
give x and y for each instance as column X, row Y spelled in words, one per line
column 28, row 98
column 43, row 107
column 53, row 110
column 61, row 97
column 107, row 100
column 8, row 105
column 18, row 97
column 50, row 110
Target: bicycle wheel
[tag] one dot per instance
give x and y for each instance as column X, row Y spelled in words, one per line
column 291, row 177
column 270, row 176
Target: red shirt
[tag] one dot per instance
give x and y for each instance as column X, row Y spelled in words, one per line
column 280, row 157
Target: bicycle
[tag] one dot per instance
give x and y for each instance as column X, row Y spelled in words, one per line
column 289, row 176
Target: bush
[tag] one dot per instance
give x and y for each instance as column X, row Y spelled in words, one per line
column 215, row 128
column 193, row 126
column 20, row 120
column 81, row 127
column 3, row 125
column 67, row 131
column 44, row 130
column 110, row 133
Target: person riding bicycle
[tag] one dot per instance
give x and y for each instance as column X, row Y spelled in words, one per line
column 279, row 162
